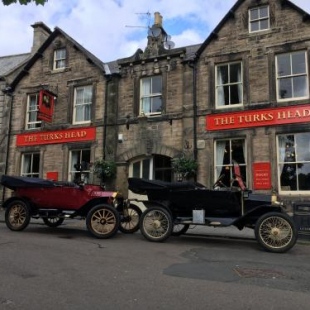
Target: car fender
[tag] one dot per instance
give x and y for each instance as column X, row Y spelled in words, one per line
column 24, row 199
column 250, row 218
column 83, row 211
column 156, row 203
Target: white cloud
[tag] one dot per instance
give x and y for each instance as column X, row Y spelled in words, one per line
column 100, row 26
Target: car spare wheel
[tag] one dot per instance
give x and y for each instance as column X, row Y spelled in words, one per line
column 130, row 217
column 156, row 224
column 17, row 215
column 103, row 221
column 53, row 221
column 276, row 232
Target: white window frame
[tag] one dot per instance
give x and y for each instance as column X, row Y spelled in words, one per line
column 218, row 167
column 60, row 56
column 79, row 156
column 259, row 19
column 294, row 160
column 32, row 121
column 150, row 95
column 83, row 105
column 140, row 162
column 229, row 84
column 29, row 165
column 292, row 76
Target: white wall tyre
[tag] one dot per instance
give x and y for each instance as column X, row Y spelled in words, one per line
column 156, row 224
column 276, row 232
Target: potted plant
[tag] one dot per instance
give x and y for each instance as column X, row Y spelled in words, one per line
column 184, row 167
column 104, row 169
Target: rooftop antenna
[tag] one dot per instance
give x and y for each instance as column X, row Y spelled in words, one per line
column 148, row 16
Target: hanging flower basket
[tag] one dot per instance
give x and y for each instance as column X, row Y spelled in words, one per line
column 184, row 167
column 104, row 169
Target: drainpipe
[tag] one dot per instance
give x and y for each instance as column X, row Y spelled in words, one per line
column 105, row 118
column 8, row 92
column 193, row 65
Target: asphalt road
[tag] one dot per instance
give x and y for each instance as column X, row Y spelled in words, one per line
column 66, row 268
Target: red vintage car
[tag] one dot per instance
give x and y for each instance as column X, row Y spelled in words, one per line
column 105, row 211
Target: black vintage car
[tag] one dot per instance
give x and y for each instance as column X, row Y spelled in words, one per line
column 172, row 207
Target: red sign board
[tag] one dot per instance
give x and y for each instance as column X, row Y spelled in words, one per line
column 46, row 106
column 256, row 118
column 58, row 136
column 52, row 175
column 261, row 175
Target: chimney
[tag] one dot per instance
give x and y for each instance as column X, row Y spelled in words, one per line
column 158, row 19
column 40, row 33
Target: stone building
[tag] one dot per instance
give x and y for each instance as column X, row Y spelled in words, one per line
column 242, row 95
column 10, row 67
column 58, row 102
column 252, row 82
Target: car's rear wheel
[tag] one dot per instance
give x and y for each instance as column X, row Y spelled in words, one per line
column 53, row 221
column 179, row 229
column 276, row 232
column 103, row 221
column 17, row 215
column 130, row 217
column 156, row 224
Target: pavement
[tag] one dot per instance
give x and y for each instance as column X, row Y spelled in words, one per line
column 230, row 232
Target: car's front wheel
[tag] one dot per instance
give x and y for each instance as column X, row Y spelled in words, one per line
column 17, row 215
column 103, row 221
column 53, row 221
column 276, row 232
column 156, row 224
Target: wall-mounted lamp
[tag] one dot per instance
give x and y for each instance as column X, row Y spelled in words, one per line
column 120, row 138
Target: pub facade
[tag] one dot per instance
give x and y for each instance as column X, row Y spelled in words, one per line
column 240, row 96
column 253, row 90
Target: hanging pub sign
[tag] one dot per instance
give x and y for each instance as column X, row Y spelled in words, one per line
column 46, row 106
column 261, row 175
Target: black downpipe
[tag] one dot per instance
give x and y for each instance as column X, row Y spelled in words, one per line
column 193, row 65
column 105, row 118
column 8, row 140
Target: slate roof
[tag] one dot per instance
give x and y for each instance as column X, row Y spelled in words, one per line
column 12, row 62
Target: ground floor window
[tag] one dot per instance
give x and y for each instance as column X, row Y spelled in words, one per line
column 30, row 166
column 226, row 153
column 157, row 167
column 79, row 167
column 294, row 162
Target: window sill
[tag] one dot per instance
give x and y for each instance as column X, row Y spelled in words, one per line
column 61, row 70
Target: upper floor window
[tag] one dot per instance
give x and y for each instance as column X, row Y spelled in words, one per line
column 151, row 95
column 59, row 59
column 229, row 84
column 30, row 165
column 82, row 104
column 294, row 162
column 32, row 121
column 259, row 19
column 292, row 76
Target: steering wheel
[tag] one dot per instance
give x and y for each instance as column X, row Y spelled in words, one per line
column 218, row 182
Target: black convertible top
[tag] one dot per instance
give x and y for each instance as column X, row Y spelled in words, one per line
column 13, row 182
column 142, row 186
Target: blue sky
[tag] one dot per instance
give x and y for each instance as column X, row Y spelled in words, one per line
column 101, row 26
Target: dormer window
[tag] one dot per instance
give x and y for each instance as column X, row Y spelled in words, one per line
column 59, row 59
column 259, row 19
